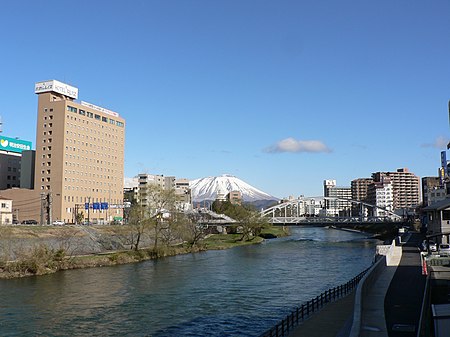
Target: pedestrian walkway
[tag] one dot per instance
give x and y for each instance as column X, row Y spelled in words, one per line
column 333, row 320
column 392, row 304
column 373, row 318
column 405, row 294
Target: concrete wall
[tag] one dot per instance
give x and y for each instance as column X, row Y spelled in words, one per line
column 391, row 256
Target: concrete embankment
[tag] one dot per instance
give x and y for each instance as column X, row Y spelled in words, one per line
column 368, row 314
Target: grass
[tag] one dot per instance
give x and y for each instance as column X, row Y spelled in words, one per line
column 41, row 260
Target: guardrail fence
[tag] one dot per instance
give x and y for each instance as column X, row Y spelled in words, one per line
column 300, row 314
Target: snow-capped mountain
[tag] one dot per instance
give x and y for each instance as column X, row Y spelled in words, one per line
column 206, row 189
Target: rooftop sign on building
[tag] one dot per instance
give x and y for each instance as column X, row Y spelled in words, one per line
column 56, row 86
column 14, row 145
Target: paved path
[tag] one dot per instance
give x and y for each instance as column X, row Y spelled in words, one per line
column 404, row 297
column 331, row 321
column 391, row 308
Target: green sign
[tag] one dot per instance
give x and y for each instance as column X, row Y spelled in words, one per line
column 118, row 218
column 14, row 145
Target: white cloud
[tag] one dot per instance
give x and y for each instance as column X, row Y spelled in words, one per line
column 296, row 146
column 440, row 143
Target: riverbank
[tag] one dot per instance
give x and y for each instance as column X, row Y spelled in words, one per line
column 43, row 259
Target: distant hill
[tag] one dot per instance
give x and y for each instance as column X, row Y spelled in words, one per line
column 205, row 190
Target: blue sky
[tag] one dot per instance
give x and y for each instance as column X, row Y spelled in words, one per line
column 282, row 94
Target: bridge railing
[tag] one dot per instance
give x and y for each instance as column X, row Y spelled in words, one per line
column 301, row 313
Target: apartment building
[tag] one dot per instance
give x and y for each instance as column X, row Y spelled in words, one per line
column 432, row 190
column 79, row 164
column 337, row 204
column 359, row 188
column 405, row 186
column 183, row 195
column 235, row 197
column 380, row 194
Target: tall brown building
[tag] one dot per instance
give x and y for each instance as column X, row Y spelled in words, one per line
column 360, row 192
column 79, row 155
column 406, row 187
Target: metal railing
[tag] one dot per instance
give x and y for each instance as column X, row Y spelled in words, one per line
column 301, row 313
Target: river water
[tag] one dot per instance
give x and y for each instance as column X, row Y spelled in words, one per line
column 236, row 292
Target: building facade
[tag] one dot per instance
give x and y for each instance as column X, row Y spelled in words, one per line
column 235, row 197
column 380, row 194
column 6, row 211
column 79, row 165
column 337, row 205
column 359, row 189
column 11, row 160
column 432, row 190
column 405, row 186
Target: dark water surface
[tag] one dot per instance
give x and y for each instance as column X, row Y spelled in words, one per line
column 236, row 292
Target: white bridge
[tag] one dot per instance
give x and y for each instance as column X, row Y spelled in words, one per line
column 292, row 212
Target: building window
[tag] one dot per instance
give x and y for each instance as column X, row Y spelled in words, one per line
column 97, row 117
column 71, row 108
column 446, row 215
column 82, row 112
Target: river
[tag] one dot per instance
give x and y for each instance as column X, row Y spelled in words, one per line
column 236, row 292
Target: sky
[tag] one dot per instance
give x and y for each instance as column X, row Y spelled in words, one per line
column 281, row 94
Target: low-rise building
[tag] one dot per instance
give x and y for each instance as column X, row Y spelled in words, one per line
column 235, row 197
column 6, row 211
column 438, row 220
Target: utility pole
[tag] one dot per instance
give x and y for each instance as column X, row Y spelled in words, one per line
column 42, row 208
column 49, row 208
column 50, row 218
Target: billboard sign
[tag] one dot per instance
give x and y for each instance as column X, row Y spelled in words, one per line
column 56, row 86
column 14, row 145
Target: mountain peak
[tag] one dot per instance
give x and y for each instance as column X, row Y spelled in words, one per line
column 207, row 189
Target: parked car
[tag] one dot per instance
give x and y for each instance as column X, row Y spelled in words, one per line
column 432, row 246
column 444, row 249
column 58, row 223
column 29, row 222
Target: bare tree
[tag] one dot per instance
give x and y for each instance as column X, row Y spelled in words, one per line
column 139, row 225
column 192, row 232
column 160, row 212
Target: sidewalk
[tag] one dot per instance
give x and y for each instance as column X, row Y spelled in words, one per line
column 396, row 284
column 333, row 320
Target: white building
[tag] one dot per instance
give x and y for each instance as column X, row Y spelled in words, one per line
column 335, row 199
column 6, row 209
column 384, row 199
